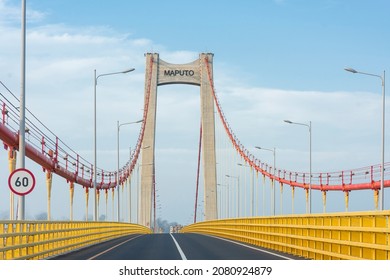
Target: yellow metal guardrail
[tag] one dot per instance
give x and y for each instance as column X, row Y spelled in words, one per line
column 335, row 236
column 43, row 239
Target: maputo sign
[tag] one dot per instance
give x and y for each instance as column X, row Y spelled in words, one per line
column 178, row 73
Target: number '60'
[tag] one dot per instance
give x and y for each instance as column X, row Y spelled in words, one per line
column 21, row 182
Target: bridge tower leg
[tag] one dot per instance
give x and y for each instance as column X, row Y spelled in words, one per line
column 147, row 148
column 208, row 136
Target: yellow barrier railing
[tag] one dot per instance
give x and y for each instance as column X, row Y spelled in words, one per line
column 335, row 236
column 42, row 239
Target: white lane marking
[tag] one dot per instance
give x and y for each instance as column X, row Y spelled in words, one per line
column 251, row 247
column 113, row 247
column 183, row 257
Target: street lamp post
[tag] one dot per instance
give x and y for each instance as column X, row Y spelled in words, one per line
column 94, row 134
column 22, row 112
column 382, row 194
column 244, row 208
column 273, row 181
column 129, row 188
column 117, row 174
column 308, row 126
column 238, row 193
column 137, row 195
column 252, row 190
column 224, row 201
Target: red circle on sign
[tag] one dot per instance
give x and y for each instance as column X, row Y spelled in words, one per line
column 27, row 181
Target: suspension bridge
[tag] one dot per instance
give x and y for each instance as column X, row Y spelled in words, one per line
column 240, row 192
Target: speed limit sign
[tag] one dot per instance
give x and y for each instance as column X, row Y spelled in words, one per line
column 21, row 181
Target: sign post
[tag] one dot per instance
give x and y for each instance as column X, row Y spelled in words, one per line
column 21, row 181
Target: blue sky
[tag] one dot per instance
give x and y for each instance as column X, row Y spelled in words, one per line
column 297, row 43
column 273, row 60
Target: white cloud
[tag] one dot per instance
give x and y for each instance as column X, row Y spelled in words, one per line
column 342, row 122
column 12, row 14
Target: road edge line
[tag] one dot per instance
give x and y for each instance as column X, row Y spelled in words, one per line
column 113, row 247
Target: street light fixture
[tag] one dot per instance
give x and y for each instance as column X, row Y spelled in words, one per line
column 308, row 208
column 94, row 133
column 117, row 176
column 273, row 182
column 382, row 194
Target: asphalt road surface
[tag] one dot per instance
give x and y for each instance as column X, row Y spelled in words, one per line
column 187, row 246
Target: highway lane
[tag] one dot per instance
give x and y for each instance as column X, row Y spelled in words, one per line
column 131, row 247
column 203, row 247
column 173, row 247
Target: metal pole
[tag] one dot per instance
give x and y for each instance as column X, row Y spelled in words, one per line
column 308, row 204
column 244, row 193
column 263, row 195
column 383, row 145
column 22, row 116
column 382, row 194
column 238, row 196
column 238, row 193
column 95, row 213
column 154, row 202
column 310, row 169
column 227, row 201
column 273, row 180
column 137, row 196
column 252, row 190
column 130, row 204
column 274, row 154
column 94, row 151
column 117, row 173
column 118, row 183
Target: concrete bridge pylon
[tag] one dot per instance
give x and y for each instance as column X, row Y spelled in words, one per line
column 198, row 73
